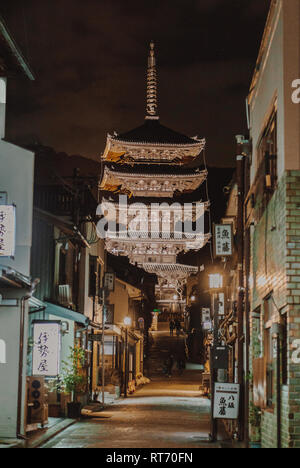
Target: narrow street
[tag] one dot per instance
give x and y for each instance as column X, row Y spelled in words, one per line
column 167, row 413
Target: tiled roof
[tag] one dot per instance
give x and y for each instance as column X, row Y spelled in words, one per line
column 152, row 131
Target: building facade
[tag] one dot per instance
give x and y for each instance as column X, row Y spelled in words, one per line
column 273, row 219
column 16, row 197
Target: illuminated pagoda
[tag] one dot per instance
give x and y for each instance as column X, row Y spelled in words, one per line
column 149, row 166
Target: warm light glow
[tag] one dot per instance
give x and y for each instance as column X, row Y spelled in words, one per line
column 175, row 297
column 215, row 281
column 193, row 298
column 127, row 321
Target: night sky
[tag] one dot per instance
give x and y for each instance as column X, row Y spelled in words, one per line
column 90, row 56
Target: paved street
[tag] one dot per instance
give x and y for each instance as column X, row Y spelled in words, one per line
column 165, row 413
column 172, row 416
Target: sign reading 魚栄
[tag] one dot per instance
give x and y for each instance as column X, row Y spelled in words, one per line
column 223, row 241
column 226, row 401
column 46, row 349
column 7, row 230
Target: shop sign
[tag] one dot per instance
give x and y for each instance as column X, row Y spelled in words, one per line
column 46, row 348
column 223, row 240
column 226, row 401
column 7, row 230
column 205, row 315
column 221, row 307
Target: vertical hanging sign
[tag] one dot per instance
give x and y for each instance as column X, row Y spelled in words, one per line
column 7, row 230
column 223, row 240
column 46, row 349
column 226, row 401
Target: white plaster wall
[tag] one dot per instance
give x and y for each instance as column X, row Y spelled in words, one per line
column 16, row 178
column 279, row 68
column 270, row 85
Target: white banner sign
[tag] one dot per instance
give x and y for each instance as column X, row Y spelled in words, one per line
column 7, row 230
column 46, row 349
column 221, row 308
column 226, row 401
column 223, row 240
column 205, row 315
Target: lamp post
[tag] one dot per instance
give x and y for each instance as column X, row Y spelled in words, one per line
column 127, row 323
column 215, row 286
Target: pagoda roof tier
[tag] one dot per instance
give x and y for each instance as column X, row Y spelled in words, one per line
column 140, row 247
column 123, row 213
column 147, row 184
column 170, row 301
column 164, row 268
column 153, row 132
column 170, row 275
column 153, row 149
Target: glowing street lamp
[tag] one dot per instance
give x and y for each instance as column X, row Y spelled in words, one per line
column 127, row 321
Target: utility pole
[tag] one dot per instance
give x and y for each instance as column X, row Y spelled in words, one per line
column 126, row 363
column 240, row 164
column 103, row 345
column 213, row 371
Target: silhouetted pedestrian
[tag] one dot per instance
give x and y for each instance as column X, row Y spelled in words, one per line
column 172, row 326
column 169, row 364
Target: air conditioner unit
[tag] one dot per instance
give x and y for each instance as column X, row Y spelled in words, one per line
column 65, row 294
column 37, row 402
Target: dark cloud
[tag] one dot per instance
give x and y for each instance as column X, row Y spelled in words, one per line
column 90, row 61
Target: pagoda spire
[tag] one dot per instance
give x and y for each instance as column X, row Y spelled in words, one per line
column 152, row 107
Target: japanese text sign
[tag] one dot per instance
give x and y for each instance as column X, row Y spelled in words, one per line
column 223, row 242
column 205, row 315
column 46, row 349
column 226, row 401
column 7, row 230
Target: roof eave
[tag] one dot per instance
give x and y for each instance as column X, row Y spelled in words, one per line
column 15, row 50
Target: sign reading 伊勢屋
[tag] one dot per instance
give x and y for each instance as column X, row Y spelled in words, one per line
column 226, row 401
column 7, row 230
column 46, row 349
column 223, row 240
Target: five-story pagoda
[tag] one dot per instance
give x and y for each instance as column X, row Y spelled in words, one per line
column 148, row 167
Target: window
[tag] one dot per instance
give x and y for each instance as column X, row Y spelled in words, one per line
column 257, row 334
column 266, row 177
column 269, row 350
column 109, row 314
column 267, row 155
column 62, row 266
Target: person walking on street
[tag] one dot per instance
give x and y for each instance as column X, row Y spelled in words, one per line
column 172, row 326
column 170, row 363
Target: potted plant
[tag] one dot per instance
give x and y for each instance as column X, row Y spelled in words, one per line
column 73, row 381
column 255, row 421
